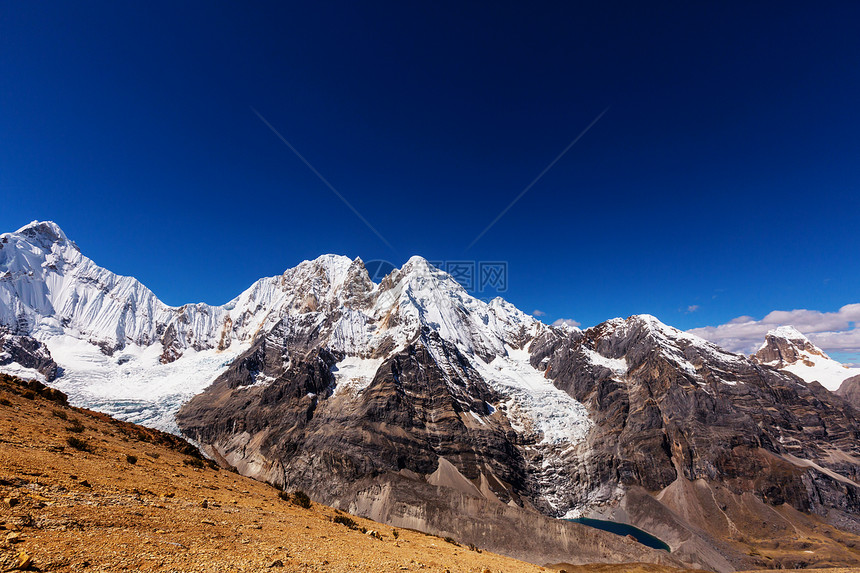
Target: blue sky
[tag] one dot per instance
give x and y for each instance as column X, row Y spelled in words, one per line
column 723, row 181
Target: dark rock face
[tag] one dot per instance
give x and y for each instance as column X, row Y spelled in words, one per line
column 688, row 410
column 171, row 344
column 405, row 420
column 27, row 352
column 850, row 390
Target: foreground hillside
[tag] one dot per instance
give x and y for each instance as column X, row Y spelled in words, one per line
column 82, row 491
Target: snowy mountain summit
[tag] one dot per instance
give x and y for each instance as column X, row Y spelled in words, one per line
column 122, row 350
column 786, row 348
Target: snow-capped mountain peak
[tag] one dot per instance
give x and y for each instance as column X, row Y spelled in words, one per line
column 420, row 295
column 665, row 336
column 43, row 233
column 114, row 338
column 47, row 287
column 616, row 339
column 786, row 345
column 787, row 332
column 786, row 348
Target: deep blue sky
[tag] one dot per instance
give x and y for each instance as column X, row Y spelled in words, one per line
column 724, row 175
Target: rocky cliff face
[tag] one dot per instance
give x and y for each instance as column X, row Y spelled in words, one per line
column 784, row 346
column 682, row 407
column 850, row 390
column 26, row 356
column 393, row 373
column 678, row 410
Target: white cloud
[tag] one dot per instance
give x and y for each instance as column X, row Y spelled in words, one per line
column 537, row 312
column 567, row 322
column 692, row 308
column 831, row 331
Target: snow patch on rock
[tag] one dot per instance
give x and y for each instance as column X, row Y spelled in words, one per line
column 534, row 404
column 354, row 373
column 618, row 366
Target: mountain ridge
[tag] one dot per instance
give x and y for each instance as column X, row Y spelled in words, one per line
column 416, row 404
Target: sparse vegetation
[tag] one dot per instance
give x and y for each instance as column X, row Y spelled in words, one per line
column 194, row 463
column 29, row 389
column 153, row 455
column 301, row 499
column 131, row 459
column 345, row 520
column 5, row 402
column 452, row 541
column 395, row 533
column 77, row 427
column 60, row 414
column 78, row 444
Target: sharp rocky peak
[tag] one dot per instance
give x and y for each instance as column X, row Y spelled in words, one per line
column 417, row 271
column 650, row 327
column 419, row 296
column 333, row 269
column 788, row 333
column 638, row 337
column 43, row 231
column 786, row 345
column 38, row 238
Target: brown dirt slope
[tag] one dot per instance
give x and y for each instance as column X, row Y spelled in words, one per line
column 80, row 491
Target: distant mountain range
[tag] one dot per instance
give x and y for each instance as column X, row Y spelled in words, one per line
column 411, row 402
